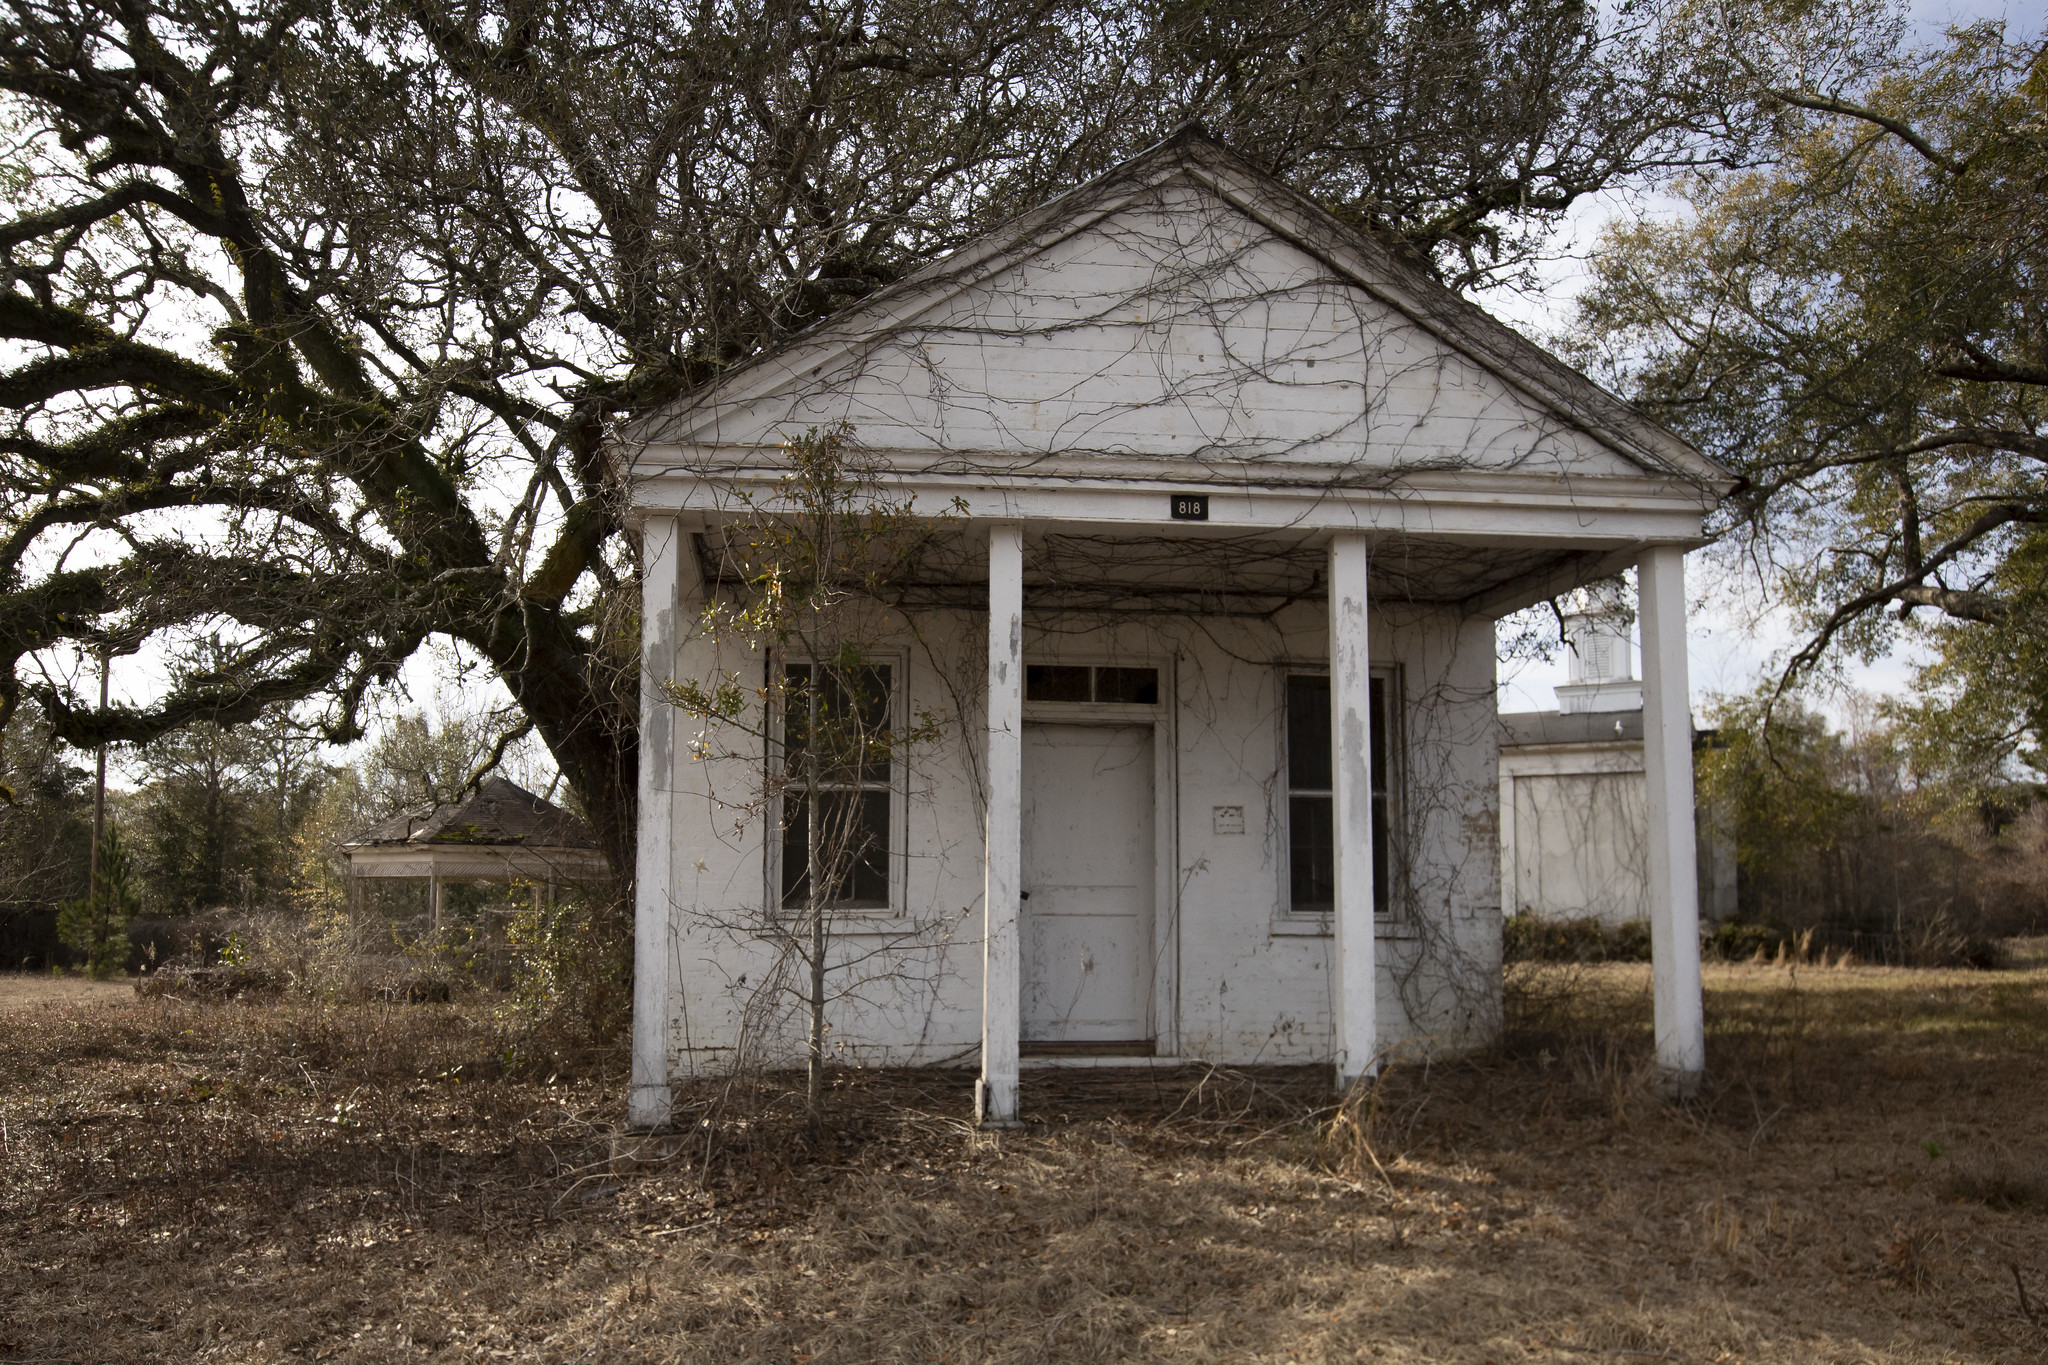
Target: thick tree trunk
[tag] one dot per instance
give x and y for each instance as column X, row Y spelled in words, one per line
column 592, row 731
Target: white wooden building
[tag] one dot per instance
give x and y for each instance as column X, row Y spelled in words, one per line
column 498, row 833
column 1574, row 844
column 1234, row 495
column 1574, row 831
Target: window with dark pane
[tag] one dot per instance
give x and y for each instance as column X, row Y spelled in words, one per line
column 1135, row 686
column 1311, row 805
column 837, row 759
column 1056, row 682
column 1311, row 813
column 1086, row 683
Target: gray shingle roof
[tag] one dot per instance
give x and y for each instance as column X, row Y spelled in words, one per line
column 497, row 812
column 1585, row 727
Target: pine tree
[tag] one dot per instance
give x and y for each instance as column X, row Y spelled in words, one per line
column 96, row 924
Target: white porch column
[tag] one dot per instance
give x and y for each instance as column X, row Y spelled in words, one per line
column 1357, row 975
column 995, row 1094
column 661, row 553
column 1667, row 768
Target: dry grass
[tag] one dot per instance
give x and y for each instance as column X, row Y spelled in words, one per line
column 1863, row 1182
column 34, row 990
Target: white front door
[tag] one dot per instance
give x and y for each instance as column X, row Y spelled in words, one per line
column 1088, row 876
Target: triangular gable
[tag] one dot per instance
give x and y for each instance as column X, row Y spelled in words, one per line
column 1184, row 305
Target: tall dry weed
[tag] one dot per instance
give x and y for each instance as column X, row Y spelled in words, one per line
column 1914, row 1256
column 1348, row 1141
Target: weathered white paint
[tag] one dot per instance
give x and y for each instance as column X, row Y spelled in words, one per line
column 1190, row 324
column 1186, row 324
column 1256, row 982
column 1483, row 513
column 996, row 1092
column 1351, row 777
column 1309, row 361
column 1188, row 273
column 1575, row 834
column 1667, row 767
column 1574, row 838
column 661, row 558
column 1089, row 871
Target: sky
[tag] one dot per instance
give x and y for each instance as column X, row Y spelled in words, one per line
column 1735, row 638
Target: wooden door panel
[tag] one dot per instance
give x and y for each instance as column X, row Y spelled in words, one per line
column 1088, row 872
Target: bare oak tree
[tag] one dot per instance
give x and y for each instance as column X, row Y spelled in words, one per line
column 318, row 316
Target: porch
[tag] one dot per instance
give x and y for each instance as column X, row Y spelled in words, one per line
column 1074, row 620
column 1180, row 419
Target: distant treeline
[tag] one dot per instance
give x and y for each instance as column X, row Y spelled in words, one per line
column 215, row 817
column 1865, row 838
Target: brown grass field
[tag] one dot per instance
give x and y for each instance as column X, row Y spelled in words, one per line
column 1864, row 1180
column 24, row 990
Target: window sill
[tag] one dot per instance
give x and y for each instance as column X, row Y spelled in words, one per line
column 852, row 920
column 1319, row 926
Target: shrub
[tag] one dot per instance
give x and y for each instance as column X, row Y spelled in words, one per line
column 1741, row 940
column 573, row 963
column 1527, row 938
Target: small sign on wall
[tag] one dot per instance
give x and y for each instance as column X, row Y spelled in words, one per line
column 1189, row 506
column 1227, row 819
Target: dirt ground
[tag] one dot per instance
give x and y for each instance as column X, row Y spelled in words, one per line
column 1865, row 1179
column 28, row 990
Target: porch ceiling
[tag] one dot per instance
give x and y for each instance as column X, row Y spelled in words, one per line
column 1206, row 572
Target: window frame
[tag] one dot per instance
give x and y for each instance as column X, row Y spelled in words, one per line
column 896, row 855
column 1095, row 666
column 1389, row 776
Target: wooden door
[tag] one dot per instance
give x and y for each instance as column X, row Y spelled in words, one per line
column 1088, row 875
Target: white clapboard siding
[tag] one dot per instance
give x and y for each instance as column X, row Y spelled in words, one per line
column 1176, row 325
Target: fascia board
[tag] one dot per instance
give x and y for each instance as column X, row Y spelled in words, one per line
column 734, row 486
column 759, row 468
column 1560, row 520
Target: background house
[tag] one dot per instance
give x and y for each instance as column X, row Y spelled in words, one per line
column 498, row 833
column 1573, row 802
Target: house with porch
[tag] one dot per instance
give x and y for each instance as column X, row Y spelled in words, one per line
column 1227, row 497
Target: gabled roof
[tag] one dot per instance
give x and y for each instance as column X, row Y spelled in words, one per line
column 498, row 812
column 1380, row 267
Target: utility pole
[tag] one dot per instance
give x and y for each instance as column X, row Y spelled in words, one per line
column 99, row 788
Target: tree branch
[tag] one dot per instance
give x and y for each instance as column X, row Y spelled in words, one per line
column 1898, row 128
column 1987, row 371
column 1922, row 594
